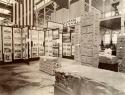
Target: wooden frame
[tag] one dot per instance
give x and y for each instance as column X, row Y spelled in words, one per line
column 57, row 34
column 9, row 61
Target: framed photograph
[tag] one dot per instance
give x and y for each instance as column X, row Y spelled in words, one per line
column 66, row 37
column 55, row 33
column 55, row 52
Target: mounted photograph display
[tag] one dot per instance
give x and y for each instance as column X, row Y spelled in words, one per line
column 55, row 34
column 66, row 37
column 25, row 40
column 30, row 43
column 48, row 43
column 7, row 43
column 41, row 43
column 17, row 43
column 35, row 43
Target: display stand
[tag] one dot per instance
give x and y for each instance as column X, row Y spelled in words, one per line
column 34, row 44
column 17, row 45
column 55, row 34
column 41, row 43
column 115, row 23
column 67, row 48
column 48, row 43
column 52, row 45
column 25, row 44
column 49, row 64
column 56, row 44
column 30, row 44
column 69, row 33
column 7, row 44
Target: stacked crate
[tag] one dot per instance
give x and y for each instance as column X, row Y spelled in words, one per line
column 121, row 47
column 60, row 43
column 49, row 64
column 77, row 43
column 90, row 39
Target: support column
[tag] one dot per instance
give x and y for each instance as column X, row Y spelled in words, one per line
column 82, row 7
column 44, row 14
column 122, row 24
column 103, row 14
column 14, row 12
column 37, row 19
column 90, row 5
column 55, row 6
column 69, row 9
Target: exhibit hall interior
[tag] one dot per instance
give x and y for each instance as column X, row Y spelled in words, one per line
column 62, row 47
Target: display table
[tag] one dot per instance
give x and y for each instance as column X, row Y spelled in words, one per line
column 49, row 64
column 82, row 80
column 108, row 62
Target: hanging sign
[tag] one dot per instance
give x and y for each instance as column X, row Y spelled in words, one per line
column 72, row 22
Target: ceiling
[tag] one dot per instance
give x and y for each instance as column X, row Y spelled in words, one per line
column 96, row 3
column 6, row 5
